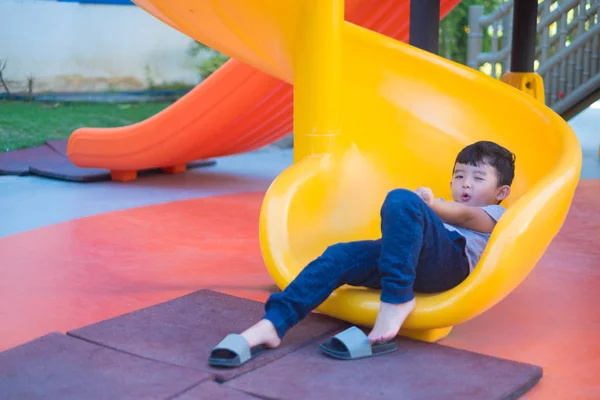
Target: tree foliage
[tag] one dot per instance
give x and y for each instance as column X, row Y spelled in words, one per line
column 209, row 59
column 454, row 29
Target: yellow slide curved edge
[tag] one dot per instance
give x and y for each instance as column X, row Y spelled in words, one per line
column 396, row 117
column 404, row 123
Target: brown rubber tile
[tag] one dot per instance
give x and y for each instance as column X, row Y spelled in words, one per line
column 57, row 366
column 183, row 331
column 417, row 370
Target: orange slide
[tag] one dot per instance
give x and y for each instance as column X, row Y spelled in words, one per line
column 237, row 109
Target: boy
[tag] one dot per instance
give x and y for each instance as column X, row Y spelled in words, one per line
column 427, row 245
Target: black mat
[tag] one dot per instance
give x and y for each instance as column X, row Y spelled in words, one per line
column 58, row 366
column 17, row 162
column 62, row 169
column 213, row 390
column 417, row 370
column 184, row 330
column 58, row 145
column 161, row 352
column 50, row 161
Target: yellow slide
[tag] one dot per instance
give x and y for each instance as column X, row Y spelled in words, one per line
column 372, row 114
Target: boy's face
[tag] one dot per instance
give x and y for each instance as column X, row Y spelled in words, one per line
column 477, row 185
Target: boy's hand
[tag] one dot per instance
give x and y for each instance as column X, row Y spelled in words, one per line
column 426, row 194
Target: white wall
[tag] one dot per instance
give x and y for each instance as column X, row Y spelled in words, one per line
column 71, row 46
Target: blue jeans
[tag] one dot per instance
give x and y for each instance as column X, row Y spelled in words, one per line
column 415, row 253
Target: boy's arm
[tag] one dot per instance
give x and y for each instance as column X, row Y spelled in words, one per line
column 473, row 218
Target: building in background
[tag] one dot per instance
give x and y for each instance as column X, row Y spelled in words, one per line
column 90, row 45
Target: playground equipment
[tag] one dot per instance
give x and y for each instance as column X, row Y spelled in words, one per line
column 237, row 109
column 372, row 114
column 567, row 49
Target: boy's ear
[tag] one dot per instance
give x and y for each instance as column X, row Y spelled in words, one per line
column 502, row 192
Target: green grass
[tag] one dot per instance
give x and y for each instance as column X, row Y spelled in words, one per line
column 30, row 124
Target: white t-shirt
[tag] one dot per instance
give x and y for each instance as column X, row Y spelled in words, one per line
column 476, row 241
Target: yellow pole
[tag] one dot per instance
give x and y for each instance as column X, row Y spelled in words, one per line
column 317, row 79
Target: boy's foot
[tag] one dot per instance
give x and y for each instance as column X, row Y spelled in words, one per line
column 263, row 332
column 389, row 320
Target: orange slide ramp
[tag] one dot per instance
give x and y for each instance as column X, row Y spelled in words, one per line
column 236, row 110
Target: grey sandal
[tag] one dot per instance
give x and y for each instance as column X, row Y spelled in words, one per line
column 233, row 351
column 353, row 344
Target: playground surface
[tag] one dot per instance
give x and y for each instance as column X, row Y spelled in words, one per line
column 119, row 287
column 75, row 254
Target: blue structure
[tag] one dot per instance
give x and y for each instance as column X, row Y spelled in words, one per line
column 116, row 2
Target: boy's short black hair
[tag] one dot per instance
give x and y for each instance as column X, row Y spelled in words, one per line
column 492, row 154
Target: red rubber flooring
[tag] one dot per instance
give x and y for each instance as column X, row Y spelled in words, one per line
column 72, row 274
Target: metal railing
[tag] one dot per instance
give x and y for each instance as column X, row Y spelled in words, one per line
column 567, row 50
